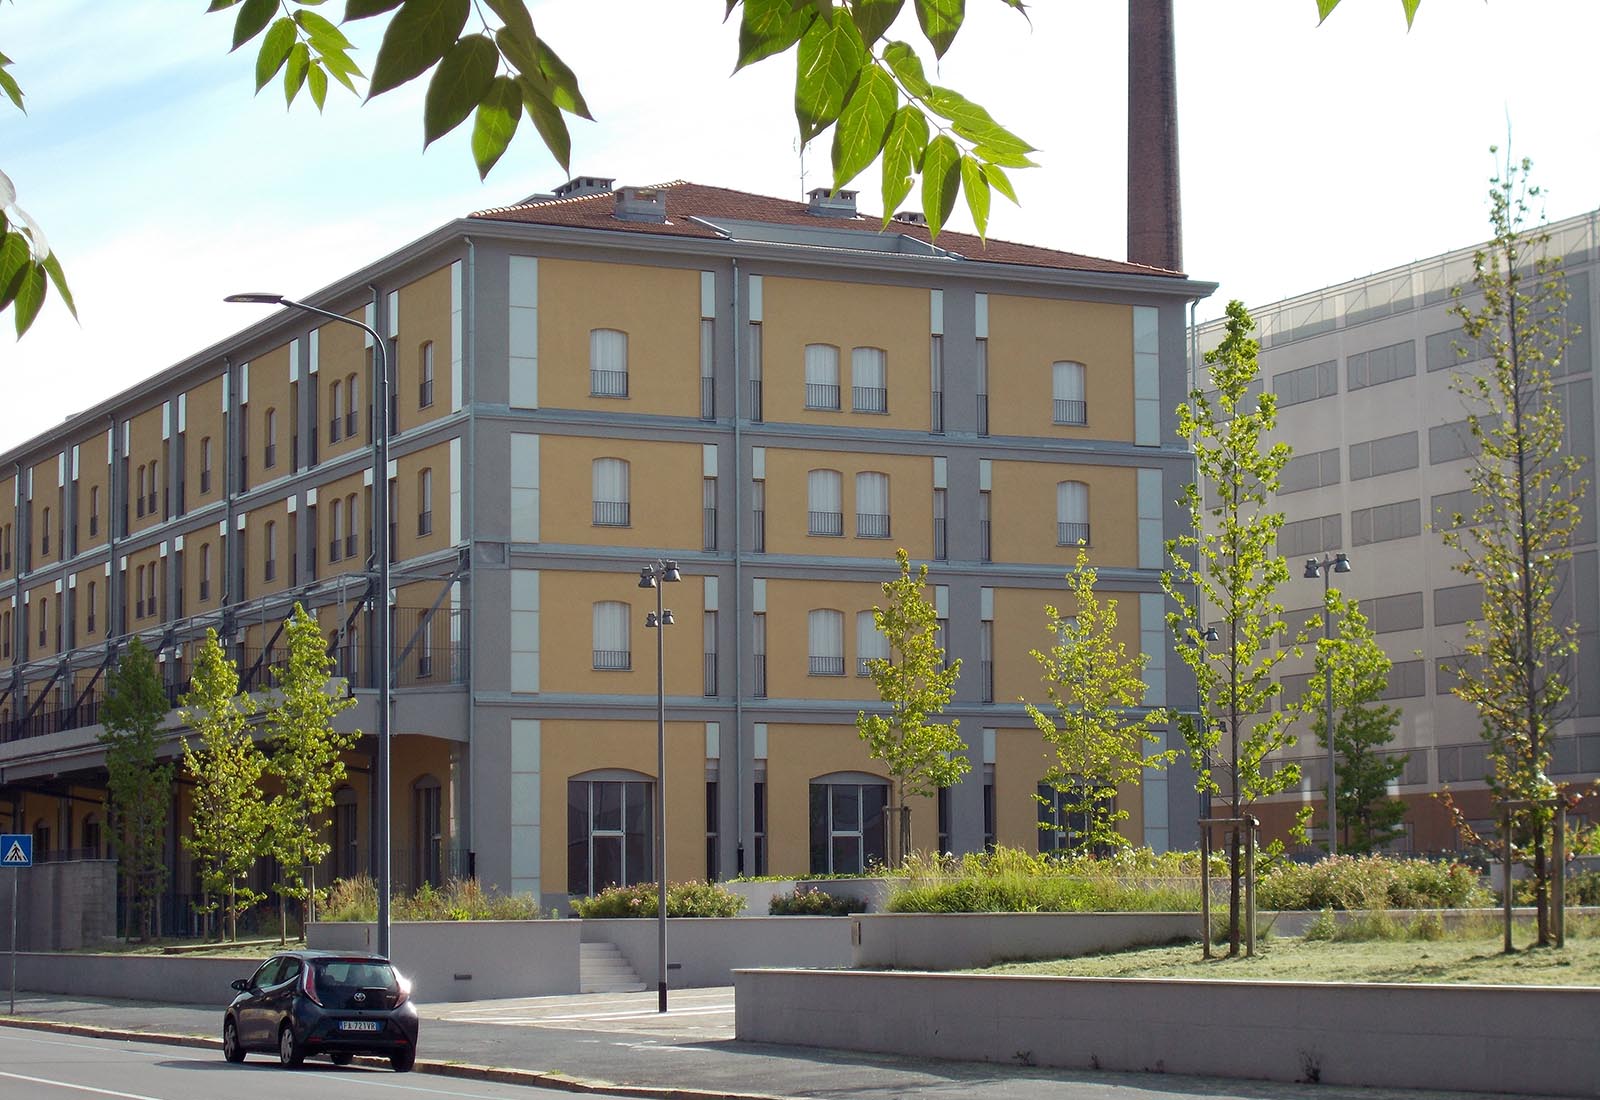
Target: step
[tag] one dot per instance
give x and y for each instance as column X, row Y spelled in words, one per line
column 604, row 969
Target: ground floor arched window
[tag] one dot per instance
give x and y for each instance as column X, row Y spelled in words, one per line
column 609, row 832
column 847, row 823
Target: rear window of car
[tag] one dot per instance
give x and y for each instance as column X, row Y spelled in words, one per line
column 355, row 974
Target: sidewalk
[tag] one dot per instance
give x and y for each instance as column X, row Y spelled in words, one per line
column 617, row 1044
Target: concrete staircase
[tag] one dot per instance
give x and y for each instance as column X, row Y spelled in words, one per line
column 604, row 969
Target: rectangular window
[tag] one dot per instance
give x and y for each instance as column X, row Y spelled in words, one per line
column 612, row 651
column 983, row 386
column 754, row 331
column 758, row 806
column 424, row 503
column 1458, row 604
column 425, row 377
column 1311, row 383
column 826, row 643
column 1452, row 348
column 708, row 380
column 1388, row 455
column 611, row 493
column 708, row 513
column 1069, row 404
column 869, row 380
column 1380, row 365
column 1407, row 680
column 1386, row 522
column 824, row 508
column 936, row 383
column 941, row 548
column 872, row 505
column 1309, row 471
column 1448, row 442
column 1306, row 538
column 985, row 525
column 758, row 650
column 758, row 516
column 713, row 856
column 1447, row 506
column 608, row 363
column 1388, row 614
column 986, row 661
column 870, row 642
column 709, row 642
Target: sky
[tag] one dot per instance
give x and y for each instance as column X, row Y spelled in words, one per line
column 1309, row 155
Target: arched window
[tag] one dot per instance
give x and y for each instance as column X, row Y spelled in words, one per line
column 94, row 512
column 824, row 502
column 335, row 529
column 205, row 465
column 138, row 498
column 352, row 386
column 608, row 363
column 872, row 505
column 335, row 411
column 825, row 634
column 870, row 641
column 869, row 380
column 1072, row 513
column 269, row 566
column 352, row 518
column 424, row 502
column 269, row 453
column 848, row 830
column 44, row 622
column 612, row 650
column 1067, row 387
column 822, row 377
column 155, row 482
column 611, row 508
column 425, row 376
column 609, row 831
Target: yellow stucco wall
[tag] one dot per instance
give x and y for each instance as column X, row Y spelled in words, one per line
column 566, row 623
column 1028, row 335
column 910, row 504
column 664, row 487
column 1023, row 512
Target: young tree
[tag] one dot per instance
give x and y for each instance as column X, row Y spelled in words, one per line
column 139, row 785
column 916, row 684
column 1095, row 686
column 228, row 821
column 1228, row 568
column 1362, row 725
column 1517, row 540
column 307, row 757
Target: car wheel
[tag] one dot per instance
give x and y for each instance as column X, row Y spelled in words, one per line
column 402, row 1060
column 231, row 1050
column 341, row 1059
column 289, row 1052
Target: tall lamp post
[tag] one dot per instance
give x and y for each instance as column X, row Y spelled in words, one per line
column 380, row 521
column 654, row 576
column 1339, row 563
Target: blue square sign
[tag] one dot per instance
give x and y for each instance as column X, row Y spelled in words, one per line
column 16, row 849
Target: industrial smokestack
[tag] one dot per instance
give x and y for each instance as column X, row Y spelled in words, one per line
column 1155, row 220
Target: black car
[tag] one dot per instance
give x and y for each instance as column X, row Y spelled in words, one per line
column 302, row 1003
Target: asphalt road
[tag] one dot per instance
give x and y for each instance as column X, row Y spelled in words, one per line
column 42, row 1066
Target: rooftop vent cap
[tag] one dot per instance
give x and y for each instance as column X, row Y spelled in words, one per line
column 911, row 217
column 578, row 186
column 825, row 204
column 641, row 204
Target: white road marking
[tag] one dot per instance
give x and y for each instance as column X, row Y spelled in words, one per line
column 78, row 1088
column 635, row 1014
column 32, row 1037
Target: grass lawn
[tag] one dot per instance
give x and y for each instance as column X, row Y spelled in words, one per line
column 252, row 948
column 1290, row 960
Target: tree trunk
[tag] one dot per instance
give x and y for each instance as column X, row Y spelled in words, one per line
column 1234, row 884
column 233, row 912
column 1541, row 881
column 283, row 919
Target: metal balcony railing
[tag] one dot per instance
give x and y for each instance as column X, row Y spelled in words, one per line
column 709, row 676
column 708, row 528
column 755, row 399
column 708, row 399
column 1071, row 412
column 825, row 523
column 826, row 666
column 613, row 660
column 872, row 525
column 985, row 546
column 986, row 680
column 820, row 396
column 611, row 513
column 759, row 682
column 758, row 532
column 608, row 383
column 936, row 405
column 1071, row 534
column 869, row 399
column 983, row 414
column 941, row 547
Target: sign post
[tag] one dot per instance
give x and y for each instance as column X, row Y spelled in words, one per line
column 16, row 852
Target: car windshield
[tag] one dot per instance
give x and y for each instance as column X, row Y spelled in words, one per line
column 355, row 974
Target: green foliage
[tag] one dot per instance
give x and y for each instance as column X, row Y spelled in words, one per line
column 684, row 899
column 1367, row 814
column 1516, row 543
column 921, row 755
column 306, row 754
column 1094, row 686
column 1370, row 882
column 229, row 815
column 1012, row 880
column 28, row 267
column 356, row 899
column 1325, row 9
column 139, row 786
column 813, row 903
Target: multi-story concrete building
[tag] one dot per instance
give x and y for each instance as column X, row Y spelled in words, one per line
column 773, row 394
column 1362, row 371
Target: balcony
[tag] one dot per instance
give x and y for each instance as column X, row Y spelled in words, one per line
column 613, row 660
column 708, row 399
column 869, row 399
column 608, row 383
column 1074, row 413
column 611, row 513
column 709, row 676
column 821, row 396
column 830, row 524
column 425, row 393
column 1071, row 534
column 825, row 666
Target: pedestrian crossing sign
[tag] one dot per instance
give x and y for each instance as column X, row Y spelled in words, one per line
column 16, row 850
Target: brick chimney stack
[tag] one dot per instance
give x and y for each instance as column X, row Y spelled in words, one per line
column 1155, row 220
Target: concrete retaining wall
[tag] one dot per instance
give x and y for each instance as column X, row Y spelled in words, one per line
column 708, row 949
column 1474, row 1038
column 61, row 906
column 166, row 979
column 961, row 941
column 758, row 895
column 469, row 960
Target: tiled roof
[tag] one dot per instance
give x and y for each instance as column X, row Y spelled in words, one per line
column 694, row 200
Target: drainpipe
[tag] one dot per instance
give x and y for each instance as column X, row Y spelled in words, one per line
column 469, row 396
column 738, row 590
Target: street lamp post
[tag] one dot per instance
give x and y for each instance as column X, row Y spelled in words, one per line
column 381, row 544
column 1339, row 563
column 654, row 576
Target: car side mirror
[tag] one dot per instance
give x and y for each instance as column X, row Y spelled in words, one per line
column 241, row 984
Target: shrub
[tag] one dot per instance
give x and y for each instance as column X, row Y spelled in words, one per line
column 356, row 899
column 814, row 903
column 684, row 899
column 1369, row 882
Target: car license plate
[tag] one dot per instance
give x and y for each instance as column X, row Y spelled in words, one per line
column 358, row 1025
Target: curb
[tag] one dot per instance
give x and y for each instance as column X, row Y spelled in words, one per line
column 463, row 1070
